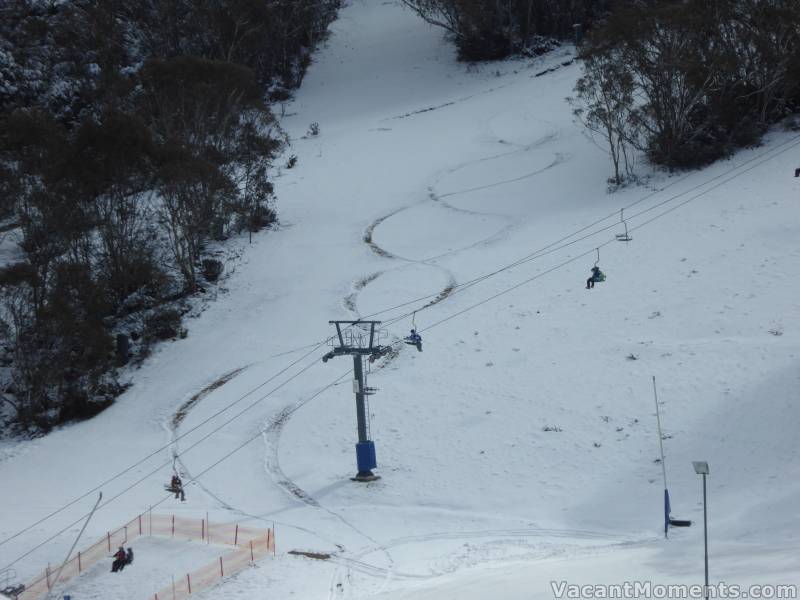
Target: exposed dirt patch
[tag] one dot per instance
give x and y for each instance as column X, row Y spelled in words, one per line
column 316, row 555
column 350, row 302
column 368, row 233
column 556, row 68
column 445, row 293
column 365, row 281
column 180, row 415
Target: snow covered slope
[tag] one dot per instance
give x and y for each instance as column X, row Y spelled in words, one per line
column 522, row 441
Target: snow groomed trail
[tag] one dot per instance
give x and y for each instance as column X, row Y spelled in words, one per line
column 519, row 447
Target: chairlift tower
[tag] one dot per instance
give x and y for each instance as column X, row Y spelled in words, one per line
column 360, row 339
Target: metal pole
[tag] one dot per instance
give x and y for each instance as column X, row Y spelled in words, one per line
column 663, row 461
column 75, row 543
column 660, row 435
column 705, row 531
column 361, row 413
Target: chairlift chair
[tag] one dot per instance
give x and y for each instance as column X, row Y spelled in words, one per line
column 597, row 275
column 414, row 338
column 623, row 237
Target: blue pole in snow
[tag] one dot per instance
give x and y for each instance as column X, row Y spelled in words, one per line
column 667, row 510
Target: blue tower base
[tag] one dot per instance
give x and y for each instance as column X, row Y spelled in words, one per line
column 365, row 456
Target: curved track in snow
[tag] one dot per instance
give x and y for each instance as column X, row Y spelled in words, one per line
column 436, row 198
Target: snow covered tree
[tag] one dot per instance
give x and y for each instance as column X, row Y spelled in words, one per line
column 605, row 105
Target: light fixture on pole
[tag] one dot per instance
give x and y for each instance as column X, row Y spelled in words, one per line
column 701, row 468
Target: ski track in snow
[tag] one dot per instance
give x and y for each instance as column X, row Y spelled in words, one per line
column 435, row 197
column 438, row 198
column 178, row 418
column 342, row 574
column 272, row 436
column 429, row 109
column 283, row 483
column 497, row 537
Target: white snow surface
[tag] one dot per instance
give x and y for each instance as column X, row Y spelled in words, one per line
column 454, row 171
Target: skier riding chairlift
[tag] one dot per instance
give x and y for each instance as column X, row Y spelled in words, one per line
column 597, row 276
column 414, row 339
column 176, row 486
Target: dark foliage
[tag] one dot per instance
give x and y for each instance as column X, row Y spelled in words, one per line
column 710, row 76
column 163, row 325
column 132, row 135
column 494, row 29
column 212, row 269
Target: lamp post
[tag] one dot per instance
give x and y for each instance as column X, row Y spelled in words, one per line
column 701, row 468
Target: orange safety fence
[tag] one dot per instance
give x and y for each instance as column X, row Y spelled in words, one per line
column 251, row 544
column 250, row 549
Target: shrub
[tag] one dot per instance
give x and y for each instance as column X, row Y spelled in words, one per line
column 163, row 324
column 212, row 269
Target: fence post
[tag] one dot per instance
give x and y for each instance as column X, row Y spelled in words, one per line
column 108, row 537
column 173, row 525
column 236, row 536
column 126, row 534
column 140, row 533
column 221, row 572
column 150, row 512
column 189, row 582
column 79, row 561
column 202, row 529
column 252, row 556
column 47, row 573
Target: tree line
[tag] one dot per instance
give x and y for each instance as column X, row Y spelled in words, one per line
column 132, row 136
column 688, row 82
column 684, row 82
column 495, row 29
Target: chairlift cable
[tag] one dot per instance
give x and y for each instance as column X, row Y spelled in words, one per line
column 547, row 249
column 162, row 448
column 792, row 142
column 161, row 466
